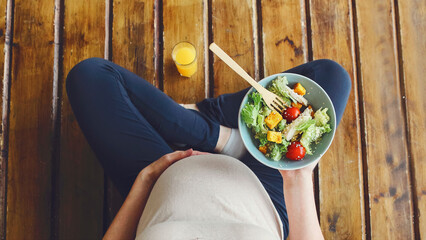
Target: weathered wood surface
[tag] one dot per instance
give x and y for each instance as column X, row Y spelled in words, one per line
column 284, row 42
column 133, row 37
column 340, row 169
column 30, row 134
column 133, row 48
column 381, row 47
column 80, row 177
column 233, row 31
column 383, row 119
column 412, row 21
column 183, row 20
column 5, row 79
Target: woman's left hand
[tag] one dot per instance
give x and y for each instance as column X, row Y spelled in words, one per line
column 126, row 221
column 153, row 171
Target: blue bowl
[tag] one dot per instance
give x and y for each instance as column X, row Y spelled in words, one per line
column 317, row 98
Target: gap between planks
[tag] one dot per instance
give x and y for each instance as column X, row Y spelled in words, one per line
column 5, row 115
column 411, row 171
column 158, row 44
column 365, row 218
column 361, row 123
column 56, row 114
column 209, row 55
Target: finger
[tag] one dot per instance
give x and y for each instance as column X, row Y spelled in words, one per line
column 195, row 153
column 157, row 167
column 177, row 155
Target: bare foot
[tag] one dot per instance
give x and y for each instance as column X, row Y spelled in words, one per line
column 190, row 106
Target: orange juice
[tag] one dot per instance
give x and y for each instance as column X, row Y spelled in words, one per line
column 185, row 58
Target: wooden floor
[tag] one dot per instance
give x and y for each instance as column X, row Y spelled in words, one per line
column 371, row 184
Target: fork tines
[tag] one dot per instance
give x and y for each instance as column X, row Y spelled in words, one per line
column 278, row 104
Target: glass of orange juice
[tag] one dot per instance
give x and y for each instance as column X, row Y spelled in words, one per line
column 185, row 57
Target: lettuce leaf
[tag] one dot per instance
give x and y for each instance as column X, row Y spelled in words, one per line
column 313, row 134
column 322, row 117
column 260, row 125
column 278, row 87
column 281, row 125
column 249, row 115
column 305, row 125
column 250, row 112
column 317, row 127
column 262, row 138
column 277, row 150
column 253, row 114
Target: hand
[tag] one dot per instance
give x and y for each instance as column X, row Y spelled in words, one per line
column 126, row 221
column 153, row 171
column 303, row 172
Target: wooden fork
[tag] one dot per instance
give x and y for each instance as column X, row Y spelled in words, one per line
column 272, row 100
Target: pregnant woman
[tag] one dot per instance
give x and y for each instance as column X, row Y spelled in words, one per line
column 213, row 190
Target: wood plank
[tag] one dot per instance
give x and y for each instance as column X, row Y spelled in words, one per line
column 412, row 16
column 183, row 21
column 133, row 37
column 284, row 47
column 30, row 138
column 284, row 41
column 233, row 31
column 385, row 136
column 80, row 187
column 3, row 155
column 340, row 170
column 132, row 48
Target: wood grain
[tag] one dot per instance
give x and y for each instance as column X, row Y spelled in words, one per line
column 81, row 178
column 132, row 48
column 3, row 155
column 340, row 170
column 133, row 37
column 385, row 136
column 28, row 145
column 183, row 21
column 284, row 41
column 233, row 32
column 30, row 137
column 412, row 16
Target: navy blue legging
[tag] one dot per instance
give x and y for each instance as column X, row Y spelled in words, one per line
column 129, row 123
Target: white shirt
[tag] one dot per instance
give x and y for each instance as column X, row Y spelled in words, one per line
column 209, row 197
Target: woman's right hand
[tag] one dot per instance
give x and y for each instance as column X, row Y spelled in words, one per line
column 300, row 203
column 302, row 172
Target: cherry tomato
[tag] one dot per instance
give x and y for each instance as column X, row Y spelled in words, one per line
column 295, row 151
column 291, row 113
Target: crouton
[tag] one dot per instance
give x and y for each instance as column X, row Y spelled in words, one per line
column 296, row 105
column 312, row 113
column 273, row 119
column 274, row 137
column 299, row 89
column 263, row 149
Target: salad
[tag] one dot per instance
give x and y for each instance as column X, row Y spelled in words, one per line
column 290, row 133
